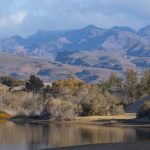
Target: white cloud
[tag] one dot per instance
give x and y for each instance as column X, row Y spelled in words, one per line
column 18, row 17
column 13, row 19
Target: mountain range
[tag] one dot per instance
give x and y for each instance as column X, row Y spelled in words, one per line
column 91, row 47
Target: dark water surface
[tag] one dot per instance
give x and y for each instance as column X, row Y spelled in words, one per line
column 32, row 136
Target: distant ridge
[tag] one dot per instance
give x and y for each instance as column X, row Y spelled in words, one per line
column 88, row 38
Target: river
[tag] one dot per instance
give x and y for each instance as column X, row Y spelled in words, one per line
column 24, row 136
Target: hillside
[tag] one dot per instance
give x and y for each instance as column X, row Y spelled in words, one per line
column 23, row 67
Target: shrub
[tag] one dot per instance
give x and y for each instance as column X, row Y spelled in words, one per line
column 63, row 109
column 21, row 103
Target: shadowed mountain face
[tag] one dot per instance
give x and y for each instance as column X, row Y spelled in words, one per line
column 145, row 31
column 115, row 49
column 92, row 59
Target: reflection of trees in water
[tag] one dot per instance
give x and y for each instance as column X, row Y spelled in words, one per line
column 32, row 135
column 10, row 133
column 107, row 135
column 23, row 134
column 64, row 135
column 37, row 135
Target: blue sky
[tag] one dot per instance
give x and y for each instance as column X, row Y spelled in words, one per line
column 25, row 17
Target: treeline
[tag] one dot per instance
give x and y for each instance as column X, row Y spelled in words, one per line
column 72, row 97
column 64, row 99
column 131, row 86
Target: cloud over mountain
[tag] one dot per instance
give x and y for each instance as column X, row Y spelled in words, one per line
column 27, row 16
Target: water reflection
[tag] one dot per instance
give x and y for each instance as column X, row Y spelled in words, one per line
column 33, row 136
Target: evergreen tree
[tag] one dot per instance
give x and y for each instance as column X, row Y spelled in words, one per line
column 34, row 84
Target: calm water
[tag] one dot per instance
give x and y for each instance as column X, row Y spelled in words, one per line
column 32, row 137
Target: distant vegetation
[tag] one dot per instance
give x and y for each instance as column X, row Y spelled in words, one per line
column 11, row 82
column 66, row 99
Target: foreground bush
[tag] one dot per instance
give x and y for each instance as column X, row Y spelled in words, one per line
column 63, row 109
column 21, row 103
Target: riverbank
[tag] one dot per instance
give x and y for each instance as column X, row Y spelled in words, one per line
column 125, row 120
column 80, row 120
column 116, row 146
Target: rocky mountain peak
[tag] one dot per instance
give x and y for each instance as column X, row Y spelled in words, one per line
column 145, row 31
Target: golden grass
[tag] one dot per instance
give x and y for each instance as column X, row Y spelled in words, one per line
column 125, row 116
column 4, row 116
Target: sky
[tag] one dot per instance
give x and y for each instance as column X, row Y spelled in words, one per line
column 25, row 17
